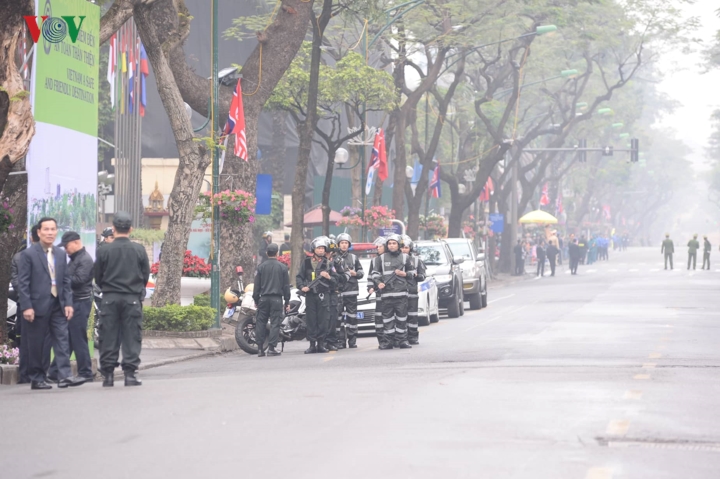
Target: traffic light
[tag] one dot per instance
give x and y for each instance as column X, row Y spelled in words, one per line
column 634, row 150
column 582, row 154
column 607, row 151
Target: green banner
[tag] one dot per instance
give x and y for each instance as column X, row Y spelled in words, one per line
column 66, row 73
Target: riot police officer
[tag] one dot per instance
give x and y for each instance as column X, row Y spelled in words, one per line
column 373, row 288
column 107, row 237
column 271, row 286
column 391, row 271
column 349, row 294
column 122, row 271
column 316, row 279
column 334, row 329
column 419, row 267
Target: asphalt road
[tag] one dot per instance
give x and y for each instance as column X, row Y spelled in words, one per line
column 609, row 374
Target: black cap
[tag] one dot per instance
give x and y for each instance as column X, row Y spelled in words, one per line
column 272, row 249
column 287, row 237
column 122, row 220
column 68, row 237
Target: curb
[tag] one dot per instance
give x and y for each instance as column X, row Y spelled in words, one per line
column 164, row 362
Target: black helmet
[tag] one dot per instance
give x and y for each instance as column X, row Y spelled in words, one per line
column 107, row 232
column 344, row 237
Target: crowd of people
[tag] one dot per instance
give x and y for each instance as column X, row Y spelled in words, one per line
column 328, row 279
column 54, row 291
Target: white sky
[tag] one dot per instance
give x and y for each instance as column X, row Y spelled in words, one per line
column 699, row 94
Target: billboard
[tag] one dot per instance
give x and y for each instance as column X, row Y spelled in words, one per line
column 62, row 159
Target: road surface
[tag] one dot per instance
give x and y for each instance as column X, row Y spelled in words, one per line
column 609, row 374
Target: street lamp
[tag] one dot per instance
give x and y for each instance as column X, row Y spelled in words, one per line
column 341, row 156
column 605, row 111
column 409, row 172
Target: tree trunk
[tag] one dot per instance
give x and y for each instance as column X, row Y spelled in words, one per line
column 17, row 125
column 413, row 227
column 274, row 163
column 193, row 161
column 455, row 223
column 307, row 130
column 326, row 190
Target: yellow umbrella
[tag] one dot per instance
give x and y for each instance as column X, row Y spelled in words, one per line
column 538, row 216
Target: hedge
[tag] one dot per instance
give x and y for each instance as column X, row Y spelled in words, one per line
column 178, row 318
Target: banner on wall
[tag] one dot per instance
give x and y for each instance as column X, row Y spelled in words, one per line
column 62, row 159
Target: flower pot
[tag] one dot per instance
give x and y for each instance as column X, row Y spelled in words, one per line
column 190, row 287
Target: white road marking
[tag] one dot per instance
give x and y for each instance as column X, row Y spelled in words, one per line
column 618, row 427
column 654, row 270
column 500, row 299
column 599, row 473
column 613, row 271
column 591, row 271
column 634, row 270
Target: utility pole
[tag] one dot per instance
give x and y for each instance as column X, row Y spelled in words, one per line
column 513, row 211
column 215, row 246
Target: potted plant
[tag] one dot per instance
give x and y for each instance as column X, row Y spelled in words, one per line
column 350, row 218
column 236, row 206
column 195, row 278
column 379, row 217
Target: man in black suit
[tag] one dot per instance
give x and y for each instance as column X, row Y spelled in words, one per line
column 46, row 302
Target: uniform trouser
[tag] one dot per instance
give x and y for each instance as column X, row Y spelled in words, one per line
column 334, row 323
column 668, row 256
column 413, row 333
column 706, row 260
column 394, row 309
column 519, row 265
column 379, row 325
column 574, row 265
column 36, row 333
column 552, row 259
column 270, row 307
column 78, row 340
column 120, row 326
column 349, row 307
column 692, row 257
column 316, row 315
column 541, row 267
column 24, row 351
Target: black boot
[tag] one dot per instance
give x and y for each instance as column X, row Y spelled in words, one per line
column 312, row 349
column 352, row 343
column 273, row 352
column 414, row 342
column 331, row 347
column 261, row 353
column 108, row 379
column 404, row 345
column 321, row 348
column 40, row 385
column 385, row 346
column 131, row 380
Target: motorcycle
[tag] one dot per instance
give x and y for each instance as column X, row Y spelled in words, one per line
column 97, row 301
column 293, row 327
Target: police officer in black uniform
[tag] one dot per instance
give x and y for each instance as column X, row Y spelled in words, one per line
column 271, row 287
column 122, row 271
column 334, row 322
column 391, row 272
column 107, row 237
column 349, row 292
column 316, row 279
column 373, row 288
column 413, row 297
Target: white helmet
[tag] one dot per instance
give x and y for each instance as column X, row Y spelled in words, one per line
column 344, row 237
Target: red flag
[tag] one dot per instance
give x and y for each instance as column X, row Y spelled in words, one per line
column 545, row 199
column 236, row 123
column 488, row 189
column 378, row 155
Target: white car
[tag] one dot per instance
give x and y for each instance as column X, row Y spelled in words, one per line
column 428, row 310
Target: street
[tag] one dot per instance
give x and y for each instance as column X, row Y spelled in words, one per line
column 608, row 374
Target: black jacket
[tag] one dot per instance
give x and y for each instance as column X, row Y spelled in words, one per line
column 271, row 279
column 351, row 262
column 285, row 247
column 552, row 251
column 34, row 283
column 80, row 271
column 540, row 252
column 262, row 252
column 122, row 267
column 308, row 274
column 419, row 275
column 574, row 251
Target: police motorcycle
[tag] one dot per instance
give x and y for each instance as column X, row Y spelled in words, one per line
column 241, row 311
column 11, row 318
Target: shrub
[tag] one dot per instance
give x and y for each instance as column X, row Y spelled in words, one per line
column 178, row 318
column 9, row 355
column 202, row 300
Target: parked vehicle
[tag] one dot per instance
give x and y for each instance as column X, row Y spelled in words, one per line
column 474, row 271
column 445, row 269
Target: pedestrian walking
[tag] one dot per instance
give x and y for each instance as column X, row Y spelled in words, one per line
column 707, row 248
column 271, row 289
column 574, row 254
column 391, row 270
column 540, row 252
column 373, row 288
column 552, row 255
column 693, row 246
column 122, row 271
column 80, row 271
column 413, row 297
column 262, row 252
column 518, row 251
column 23, row 377
column 46, row 301
column 668, row 249
column 286, row 247
column 350, row 290
column 316, row 280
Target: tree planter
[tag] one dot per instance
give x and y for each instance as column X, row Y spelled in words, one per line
column 190, row 287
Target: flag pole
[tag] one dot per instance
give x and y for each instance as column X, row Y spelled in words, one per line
column 215, row 246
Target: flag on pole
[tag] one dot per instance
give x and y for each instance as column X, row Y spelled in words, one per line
column 435, row 183
column 144, row 72
column 112, row 67
column 487, row 190
column 131, row 83
column 378, row 161
column 544, row 198
column 236, row 123
column 559, row 204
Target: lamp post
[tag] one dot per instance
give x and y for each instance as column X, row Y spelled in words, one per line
column 215, row 245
